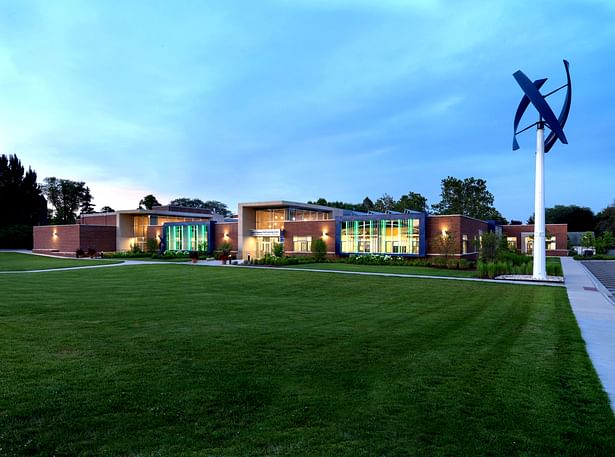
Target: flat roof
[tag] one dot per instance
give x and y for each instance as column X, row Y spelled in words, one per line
column 286, row 204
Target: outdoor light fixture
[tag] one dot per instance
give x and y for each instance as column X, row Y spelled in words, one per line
column 444, row 232
column 325, row 234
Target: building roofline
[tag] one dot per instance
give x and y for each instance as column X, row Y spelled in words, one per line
column 457, row 215
column 287, row 203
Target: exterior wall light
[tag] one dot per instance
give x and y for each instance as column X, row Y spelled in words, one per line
column 444, row 233
column 325, row 234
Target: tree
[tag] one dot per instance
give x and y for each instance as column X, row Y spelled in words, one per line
column 604, row 242
column 411, row 201
column 22, row 199
column 384, row 203
column 107, row 209
column 66, row 197
column 86, row 206
column 588, row 240
column 213, row 205
column 468, row 197
column 367, row 205
column 23, row 203
column 148, row 202
column 578, row 218
column 605, row 219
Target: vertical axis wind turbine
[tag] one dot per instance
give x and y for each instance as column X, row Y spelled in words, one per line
column 546, row 118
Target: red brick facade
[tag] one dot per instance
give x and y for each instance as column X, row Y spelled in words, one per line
column 462, row 229
column 66, row 239
column 315, row 229
column 99, row 219
column 520, row 232
column 225, row 232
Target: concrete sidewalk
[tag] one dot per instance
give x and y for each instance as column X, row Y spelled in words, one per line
column 595, row 314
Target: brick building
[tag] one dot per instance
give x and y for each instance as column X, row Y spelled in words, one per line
column 259, row 226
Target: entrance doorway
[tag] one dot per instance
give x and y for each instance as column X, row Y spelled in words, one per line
column 264, row 245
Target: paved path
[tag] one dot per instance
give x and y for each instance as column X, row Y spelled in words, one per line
column 595, row 314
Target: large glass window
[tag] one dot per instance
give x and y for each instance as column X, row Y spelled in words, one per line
column 298, row 214
column 393, row 236
column 302, row 243
column 187, row 237
column 270, row 218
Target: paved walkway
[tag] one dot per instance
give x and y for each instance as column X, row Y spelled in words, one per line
column 595, row 314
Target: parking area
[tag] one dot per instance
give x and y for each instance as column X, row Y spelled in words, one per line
column 604, row 271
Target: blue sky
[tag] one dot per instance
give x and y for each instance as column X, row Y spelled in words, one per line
column 299, row 99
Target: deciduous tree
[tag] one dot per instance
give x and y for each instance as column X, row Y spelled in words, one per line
column 214, row 205
column 66, row 197
column 148, row 202
column 468, row 197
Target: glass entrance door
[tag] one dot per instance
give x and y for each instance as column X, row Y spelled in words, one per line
column 264, row 245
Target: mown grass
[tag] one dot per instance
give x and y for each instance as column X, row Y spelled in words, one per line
column 16, row 261
column 189, row 360
column 393, row 269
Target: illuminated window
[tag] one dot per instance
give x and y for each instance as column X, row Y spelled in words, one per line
column 512, row 242
column 187, row 237
column 302, row 243
column 464, row 244
column 391, row 236
column 550, row 244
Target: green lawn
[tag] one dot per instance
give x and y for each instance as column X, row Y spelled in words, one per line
column 394, row 269
column 15, row 261
column 189, row 360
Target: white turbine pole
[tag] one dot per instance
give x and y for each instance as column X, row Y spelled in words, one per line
column 540, row 261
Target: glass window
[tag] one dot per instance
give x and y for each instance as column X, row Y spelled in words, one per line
column 270, row 218
column 512, row 242
column 389, row 236
column 302, row 243
column 187, row 237
column 464, row 244
column 550, row 243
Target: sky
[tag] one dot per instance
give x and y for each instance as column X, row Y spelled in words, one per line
column 243, row 101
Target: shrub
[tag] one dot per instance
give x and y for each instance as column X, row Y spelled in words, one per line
column 319, row 249
column 16, row 236
column 554, row 269
column 152, row 245
column 278, row 249
column 491, row 270
column 79, row 253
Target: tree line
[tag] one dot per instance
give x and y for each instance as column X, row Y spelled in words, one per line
column 468, row 197
column 25, row 204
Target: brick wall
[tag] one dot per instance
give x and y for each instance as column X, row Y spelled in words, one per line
column 69, row 238
column 99, row 219
column 456, row 226
column 229, row 228
column 314, row 229
column 560, row 231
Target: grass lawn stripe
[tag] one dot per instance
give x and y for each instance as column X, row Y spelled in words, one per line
column 17, row 261
column 181, row 360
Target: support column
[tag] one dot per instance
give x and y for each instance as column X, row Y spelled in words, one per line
column 540, row 260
